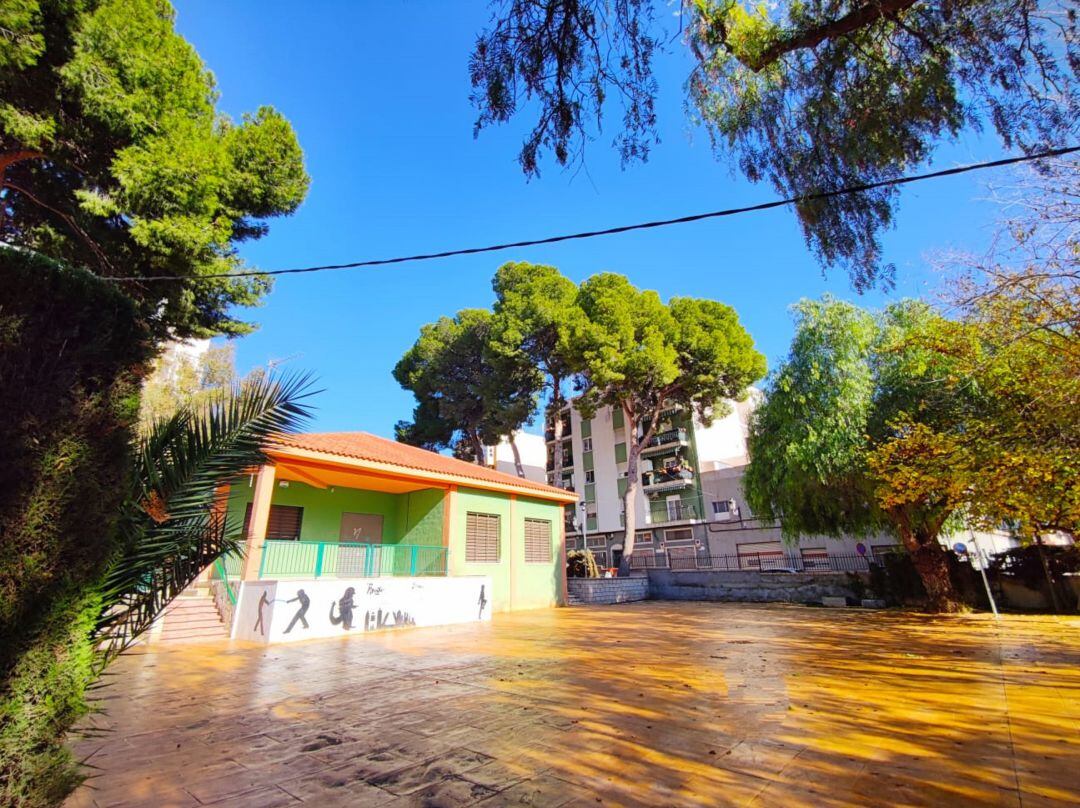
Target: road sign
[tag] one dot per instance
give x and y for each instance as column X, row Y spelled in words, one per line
column 960, row 548
column 860, row 548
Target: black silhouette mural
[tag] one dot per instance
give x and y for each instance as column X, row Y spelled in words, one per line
column 345, row 610
column 301, row 612
column 260, row 624
column 482, row 601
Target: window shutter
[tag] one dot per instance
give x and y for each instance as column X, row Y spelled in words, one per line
column 284, row 522
column 482, row 538
column 537, row 541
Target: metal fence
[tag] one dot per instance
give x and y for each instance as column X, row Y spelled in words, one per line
column 689, row 559
column 317, row 559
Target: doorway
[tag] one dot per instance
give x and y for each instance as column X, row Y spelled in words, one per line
column 359, row 529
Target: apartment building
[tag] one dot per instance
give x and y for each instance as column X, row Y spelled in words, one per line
column 532, row 450
column 690, row 503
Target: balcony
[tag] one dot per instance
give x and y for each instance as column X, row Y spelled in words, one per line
column 567, row 461
column 666, row 441
column 666, row 480
column 549, row 431
column 684, row 510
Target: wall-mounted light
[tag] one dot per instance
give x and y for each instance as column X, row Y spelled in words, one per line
column 283, row 484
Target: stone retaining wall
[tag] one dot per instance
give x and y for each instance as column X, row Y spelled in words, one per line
column 607, row 590
column 751, row 587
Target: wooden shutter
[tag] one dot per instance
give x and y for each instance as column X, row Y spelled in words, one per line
column 537, row 541
column 284, row 522
column 482, row 538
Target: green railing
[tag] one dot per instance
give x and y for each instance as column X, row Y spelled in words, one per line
column 227, row 569
column 320, row 559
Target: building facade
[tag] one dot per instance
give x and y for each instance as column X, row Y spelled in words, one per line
column 349, row 532
column 690, row 503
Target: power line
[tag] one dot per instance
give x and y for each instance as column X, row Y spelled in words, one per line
column 611, row 231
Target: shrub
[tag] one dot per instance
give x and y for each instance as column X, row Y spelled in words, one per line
column 71, row 354
column 581, row 564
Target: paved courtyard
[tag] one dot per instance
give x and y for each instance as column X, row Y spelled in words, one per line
column 643, row 704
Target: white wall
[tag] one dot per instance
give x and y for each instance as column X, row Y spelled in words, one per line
column 533, row 456
column 266, row 610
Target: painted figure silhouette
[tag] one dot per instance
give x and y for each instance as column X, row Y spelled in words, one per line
column 260, row 625
column 345, row 610
column 482, row 602
column 305, row 602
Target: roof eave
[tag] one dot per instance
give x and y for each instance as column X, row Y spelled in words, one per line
column 407, row 472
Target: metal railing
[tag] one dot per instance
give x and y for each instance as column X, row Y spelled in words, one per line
column 228, row 569
column 660, row 512
column 688, row 559
column 677, row 435
column 320, row 559
column 662, row 476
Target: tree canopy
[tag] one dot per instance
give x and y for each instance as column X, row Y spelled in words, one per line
column 638, row 355
column 853, row 385
column 809, row 96
column 536, row 311
column 468, row 395
column 113, row 157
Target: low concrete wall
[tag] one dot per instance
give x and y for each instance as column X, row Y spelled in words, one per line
column 751, row 587
column 607, row 590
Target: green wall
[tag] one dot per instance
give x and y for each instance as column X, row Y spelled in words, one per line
column 417, row 518
column 533, row 586
column 414, row 518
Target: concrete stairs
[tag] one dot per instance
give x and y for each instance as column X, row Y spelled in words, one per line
column 192, row 617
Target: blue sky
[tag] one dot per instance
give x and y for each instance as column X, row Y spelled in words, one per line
column 378, row 94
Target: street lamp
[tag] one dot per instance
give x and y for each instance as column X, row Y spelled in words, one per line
column 584, row 524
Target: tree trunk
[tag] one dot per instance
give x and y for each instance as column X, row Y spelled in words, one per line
column 1055, row 601
column 520, row 469
column 478, row 447
column 932, row 564
column 557, row 430
column 633, row 481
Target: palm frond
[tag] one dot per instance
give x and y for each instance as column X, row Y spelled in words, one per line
column 173, row 526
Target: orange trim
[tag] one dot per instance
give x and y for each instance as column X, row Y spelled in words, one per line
column 564, row 595
column 376, row 468
column 510, row 550
column 310, row 479
column 447, row 514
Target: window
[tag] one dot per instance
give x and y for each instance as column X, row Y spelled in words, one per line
column 644, row 537
column 586, row 444
column 537, row 541
column 590, row 495
column 601, row 558
column 814, row 558
column 617, row 420
column 482, row 538
column 596, row 541
column 620, row 452
column 679, row 534
column 587, row 461
column 284, row 522
column 590, row 477
column 722, row 506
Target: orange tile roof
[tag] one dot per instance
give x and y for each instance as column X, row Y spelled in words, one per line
column 365, row 446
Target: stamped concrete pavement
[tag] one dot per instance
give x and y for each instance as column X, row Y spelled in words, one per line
column 642, row 704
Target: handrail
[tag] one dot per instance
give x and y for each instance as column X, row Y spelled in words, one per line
column 318, row 559
column 223, row 572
